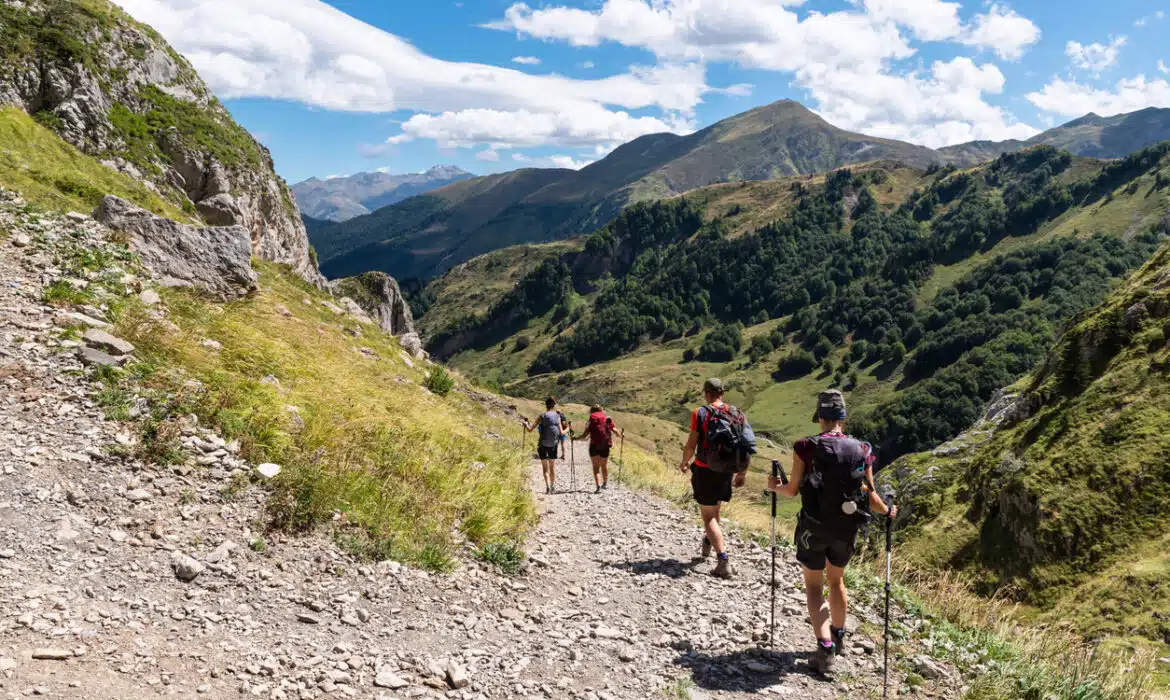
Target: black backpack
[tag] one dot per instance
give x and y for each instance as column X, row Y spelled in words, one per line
column 834, row 490
column 727, row 441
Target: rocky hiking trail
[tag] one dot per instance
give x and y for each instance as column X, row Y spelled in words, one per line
column 121, row 579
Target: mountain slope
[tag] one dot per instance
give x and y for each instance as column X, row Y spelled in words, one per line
column 950, row 288
column 343, row 198
column 112, row 88
column 772, row 141
column 1065, row 503
column 1090, row 135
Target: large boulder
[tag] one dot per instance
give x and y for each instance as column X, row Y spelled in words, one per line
column 216, row 260
column 379, row 296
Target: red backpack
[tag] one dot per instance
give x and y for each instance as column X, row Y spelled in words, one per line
column 600, row 429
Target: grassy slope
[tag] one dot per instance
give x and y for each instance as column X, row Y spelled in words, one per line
column 1078, row 487
column 55, row 175
column 478, row 283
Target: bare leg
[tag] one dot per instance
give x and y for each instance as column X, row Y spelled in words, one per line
column 604, row 470
column 596, row 469
column 838, row 598
column 710, row 516
column 818, row 611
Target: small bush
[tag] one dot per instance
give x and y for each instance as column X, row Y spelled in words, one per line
column 522, row 343
column 440, row 381
column 506, row 556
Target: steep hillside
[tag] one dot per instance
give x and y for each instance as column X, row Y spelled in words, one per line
column 920, row 295
column 343, row 198
column 1090, row 135
column 1064, row 504
column 116, row 91
column 772, row 141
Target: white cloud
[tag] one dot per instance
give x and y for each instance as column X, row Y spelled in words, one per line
column 844, row 60
column 489, row 155
column 1094, row 57
column 554, row 161
column 1162, row 67
column 374, row 150
column 737, row 90
column 1143, row 21
column 526, row 60
column 309, row 52
column 1004, row 31
column 588, row 64
column 1073, row 99
column 524, row 129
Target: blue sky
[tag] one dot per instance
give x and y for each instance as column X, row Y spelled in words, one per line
column 343, row 86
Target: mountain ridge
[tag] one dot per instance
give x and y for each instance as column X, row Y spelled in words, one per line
column 339, row 199
column 783, row 138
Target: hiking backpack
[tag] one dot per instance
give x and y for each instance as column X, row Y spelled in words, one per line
column 600, row 429
column 834, row 491
column 727, row 440
column 550, row 428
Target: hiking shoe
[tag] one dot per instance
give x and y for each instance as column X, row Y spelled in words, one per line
column 823, row 659
column 598, row 490
column 722, row 569
column 605, row 485
column 705, row 548
column 838, row 636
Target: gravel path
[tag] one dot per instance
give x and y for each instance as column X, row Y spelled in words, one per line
column 94, row 547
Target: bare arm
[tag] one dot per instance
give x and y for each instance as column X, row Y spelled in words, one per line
column 689, row 451
column 876, row 504
column 792, row 488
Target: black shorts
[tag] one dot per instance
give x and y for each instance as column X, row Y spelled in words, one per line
column 815, row 547
column 599, row 451
column 546, row 452
column 710, row 487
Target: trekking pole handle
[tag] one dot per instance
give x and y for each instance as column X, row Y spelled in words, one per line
column 889, row 501
column 779, row 473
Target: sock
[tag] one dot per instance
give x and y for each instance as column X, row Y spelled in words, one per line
column 826, row 643
column 837, row 633
column 723, row 556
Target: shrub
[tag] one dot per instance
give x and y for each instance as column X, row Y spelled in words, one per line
column 522, row 343
column 439, row 381
column 796, row 364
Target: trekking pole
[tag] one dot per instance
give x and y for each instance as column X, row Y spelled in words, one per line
column 777, row 473
column 622, row 459
column 889, row 499
column 572, row 462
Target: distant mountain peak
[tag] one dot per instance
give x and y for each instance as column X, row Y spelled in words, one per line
column 344, row 198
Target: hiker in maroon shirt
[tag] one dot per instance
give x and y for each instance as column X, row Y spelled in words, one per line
column 599, row 430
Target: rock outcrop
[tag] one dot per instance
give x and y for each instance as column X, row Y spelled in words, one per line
column 119, row 93
column 379, row 296
column 216, row 260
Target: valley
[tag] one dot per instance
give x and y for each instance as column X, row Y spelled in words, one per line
column 267, row 441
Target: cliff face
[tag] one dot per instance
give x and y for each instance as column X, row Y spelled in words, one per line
column 114, row 89
column 378, row 295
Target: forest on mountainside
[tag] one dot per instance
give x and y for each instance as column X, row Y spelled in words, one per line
column 845, row 272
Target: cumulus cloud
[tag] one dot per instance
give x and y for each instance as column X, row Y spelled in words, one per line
column 309, row 52
column 844, row 60
column 526, row 60
column 1094, row 57
column 1004, row 31
column 1162, row 67
column 1073, row 99
column 525, row 129
column 489, row 155
column 553, row 161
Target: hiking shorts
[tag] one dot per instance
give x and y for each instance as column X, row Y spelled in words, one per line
column 599, row 451
column 814, row 548
column 546, row 452
column 710, row 487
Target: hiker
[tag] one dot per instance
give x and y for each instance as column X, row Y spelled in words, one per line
column 600, row 431
column 721, row 443
column 552, row 425
column 833, row 474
